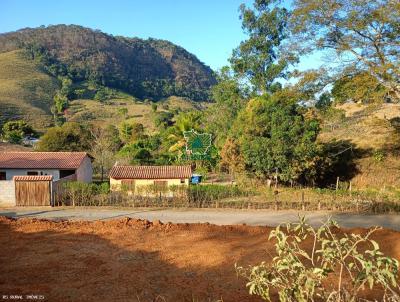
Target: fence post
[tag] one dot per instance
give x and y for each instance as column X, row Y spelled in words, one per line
column 302, row 201
column 337, row 183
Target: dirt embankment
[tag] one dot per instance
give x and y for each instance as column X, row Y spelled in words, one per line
column 134, row 260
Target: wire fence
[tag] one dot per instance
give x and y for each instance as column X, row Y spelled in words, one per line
column 232, row 197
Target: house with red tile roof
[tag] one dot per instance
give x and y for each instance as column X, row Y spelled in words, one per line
column 135, row 178
column 59, row 165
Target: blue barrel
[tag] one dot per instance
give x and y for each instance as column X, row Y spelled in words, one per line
column 195, row 179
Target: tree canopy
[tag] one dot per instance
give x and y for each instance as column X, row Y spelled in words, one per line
column 361, row 36
column 258, row 58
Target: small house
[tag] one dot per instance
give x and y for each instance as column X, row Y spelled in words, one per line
column 135, row 178
column 59, row 165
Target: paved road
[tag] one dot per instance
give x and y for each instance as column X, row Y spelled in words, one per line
column 214, row 216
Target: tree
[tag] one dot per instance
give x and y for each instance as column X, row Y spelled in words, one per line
column 258, row 59
column 66, row 87
column 229, row 98
column 185, row 121
column 68, row 137
column 324, row 101
column 130, row 131
column 61, row 102
column 105, row 143
column 275, row 138
column 360, row 88
column 231, row 157
column 14, row 131
column 163, row 119
column 101, row 94
column 361, row 35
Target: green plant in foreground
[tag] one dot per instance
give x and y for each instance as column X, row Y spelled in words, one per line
column 301, row 274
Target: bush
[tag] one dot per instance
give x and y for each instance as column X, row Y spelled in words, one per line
column 79, row 193
column 209, row 193
column 300, row 274
column 14, row 131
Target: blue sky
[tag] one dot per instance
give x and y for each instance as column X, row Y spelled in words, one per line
column 210, row 29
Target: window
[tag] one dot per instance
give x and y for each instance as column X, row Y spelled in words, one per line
column 65, row 173
column 160, row 184
column 3, row 176
column 128, row 184
column 182, row 180
column 32, row 173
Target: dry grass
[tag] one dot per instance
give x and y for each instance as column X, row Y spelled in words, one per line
column 102, row 114
column 25, row 91
column 371, row 129
column 105, row 113
column 12, row 147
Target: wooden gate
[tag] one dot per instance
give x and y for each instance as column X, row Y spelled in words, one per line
column 33, row 190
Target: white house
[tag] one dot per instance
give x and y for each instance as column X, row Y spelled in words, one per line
column 74, row 165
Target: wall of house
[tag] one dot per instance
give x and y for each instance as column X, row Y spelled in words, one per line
column 7, row 193
column 85, row 171
column 10, row 173
column 115, row 184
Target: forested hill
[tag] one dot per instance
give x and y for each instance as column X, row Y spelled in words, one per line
column 144, row 68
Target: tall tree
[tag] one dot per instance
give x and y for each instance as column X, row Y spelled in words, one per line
column 258, row 59
column 106, row 142
column 274, row 137
column 68, row 137
column 229, row 98
column 360, row 35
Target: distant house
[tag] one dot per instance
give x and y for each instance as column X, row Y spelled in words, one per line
column 67, row 165
column 136, row 177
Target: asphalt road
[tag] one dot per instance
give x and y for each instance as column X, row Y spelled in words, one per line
column 214, row 216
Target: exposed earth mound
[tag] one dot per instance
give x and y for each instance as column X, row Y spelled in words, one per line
column 135, row 260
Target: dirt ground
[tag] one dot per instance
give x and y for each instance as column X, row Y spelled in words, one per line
column 134, row 260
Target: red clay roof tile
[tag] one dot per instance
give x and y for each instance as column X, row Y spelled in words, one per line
column 41, row 160
column 33, row 177
column 150, row 172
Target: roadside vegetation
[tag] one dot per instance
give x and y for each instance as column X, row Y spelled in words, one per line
column 264, row 133
column 333, row 268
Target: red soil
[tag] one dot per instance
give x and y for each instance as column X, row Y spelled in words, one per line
column 133, row 260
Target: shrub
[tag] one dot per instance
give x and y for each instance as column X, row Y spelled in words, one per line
column 209, row 193
column 80, row 193
column 300, row 274
column 14, row 131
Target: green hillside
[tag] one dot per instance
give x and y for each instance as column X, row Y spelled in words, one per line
column 26, row 92
column 144, row 68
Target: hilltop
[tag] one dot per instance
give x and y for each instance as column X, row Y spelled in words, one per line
column 33, row 63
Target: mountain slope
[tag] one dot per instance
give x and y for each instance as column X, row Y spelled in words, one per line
column 25, row 91
column 144, row 68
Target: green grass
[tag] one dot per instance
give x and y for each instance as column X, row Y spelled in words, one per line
column 25, row 91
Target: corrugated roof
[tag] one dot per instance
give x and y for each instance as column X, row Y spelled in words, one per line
column 150, row 172
column 41, row 160
column 33, row 177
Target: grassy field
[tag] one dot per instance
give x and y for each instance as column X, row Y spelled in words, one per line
column 25, row 91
